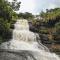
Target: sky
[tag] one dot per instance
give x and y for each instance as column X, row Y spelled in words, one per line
column 36, row 6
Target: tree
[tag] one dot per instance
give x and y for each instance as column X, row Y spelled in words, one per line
column 6, row 18
column 26, row 15
column 15, row 5
column 51, row 17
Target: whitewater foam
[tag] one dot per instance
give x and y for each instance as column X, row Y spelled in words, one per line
column 23, row 39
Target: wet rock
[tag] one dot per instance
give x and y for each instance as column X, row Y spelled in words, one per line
column 15, row 55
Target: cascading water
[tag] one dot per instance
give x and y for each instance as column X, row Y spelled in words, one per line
column 25, row 40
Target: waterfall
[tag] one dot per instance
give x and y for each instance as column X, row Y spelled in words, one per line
column 25, row 40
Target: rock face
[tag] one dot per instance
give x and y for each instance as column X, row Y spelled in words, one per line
column 6, row 55
column 15, row 55
column 9, row 56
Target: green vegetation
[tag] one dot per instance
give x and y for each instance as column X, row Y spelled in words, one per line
column 50, row 22
column 51, row 19
column 26, row 15
column 49, row 27
column 7, row 17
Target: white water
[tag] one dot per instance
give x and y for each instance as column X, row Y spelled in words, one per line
column 23, row 39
